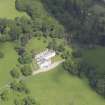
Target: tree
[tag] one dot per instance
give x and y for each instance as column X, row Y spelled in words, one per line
column 19, row 86
column 17, row 102
column 53, row 45
column 26, row 70
column 20, row 50
column 76, row 53
column 66, row 55
column 26, row 58
column 61, row 48
column 72, row 66
column 29, row 101
column 39, row 33
column 4, row 95
column 15, row 32
column 33, row 52
column 15, row 73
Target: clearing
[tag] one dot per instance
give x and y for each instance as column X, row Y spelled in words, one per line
column 8, row 10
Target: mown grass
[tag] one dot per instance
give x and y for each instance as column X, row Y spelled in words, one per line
column 37, row 44
column 8, row 10
column 8, row 62
column 57, row 87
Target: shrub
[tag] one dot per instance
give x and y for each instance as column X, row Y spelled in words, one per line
column 25, row 59
column 15, row 73
column 19, row 86
column 26, row 70
column 4, row 95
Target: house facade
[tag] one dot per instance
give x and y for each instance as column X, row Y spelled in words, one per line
column 44, row 58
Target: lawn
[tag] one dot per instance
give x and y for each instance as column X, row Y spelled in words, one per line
column 57, row 87
column 96, row 57
column 8, row 10
column 8, row 62
column 37, row 44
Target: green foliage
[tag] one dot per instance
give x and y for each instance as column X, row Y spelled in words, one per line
column 17, row 102
column 42, row 23
column 83, row 24
column 26, row 58
column 66, row 55
column 4, row 95
column 15, row 73
column 26, row 70
column 29, row 101
column 76, row 53
column 19, row 87
column 54, row 45
column 72, row 66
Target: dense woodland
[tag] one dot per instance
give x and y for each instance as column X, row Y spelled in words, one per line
column 85, row 27
column 81, row 21
column 75, row 20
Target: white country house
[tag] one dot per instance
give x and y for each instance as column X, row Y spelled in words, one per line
column 44, row 58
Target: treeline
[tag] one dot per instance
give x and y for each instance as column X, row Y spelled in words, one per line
column 42, row 22
column 22, row 29
column 75, row 65
column 84, row 24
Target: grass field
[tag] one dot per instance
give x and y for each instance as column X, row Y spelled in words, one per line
column 57, row 87
column 96, row 57
column 8, row 10
column 7, row 63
